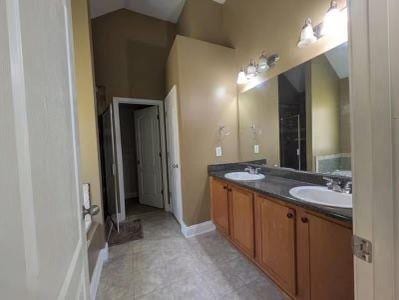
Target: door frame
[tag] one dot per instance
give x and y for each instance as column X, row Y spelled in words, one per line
column 176, row 208
column 119, row 159
column 375, row 147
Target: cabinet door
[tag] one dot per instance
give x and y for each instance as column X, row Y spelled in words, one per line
column 220, row 205
column 275, row 251
column 242, row 220
column 330, row 259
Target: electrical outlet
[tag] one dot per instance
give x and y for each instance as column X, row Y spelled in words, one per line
column 256, row 148
column 219, row 151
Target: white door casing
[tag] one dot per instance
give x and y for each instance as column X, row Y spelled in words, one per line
column 374, row 101
column 173, row 150
column 45, row 256
column 113, row 202
column 149, row 167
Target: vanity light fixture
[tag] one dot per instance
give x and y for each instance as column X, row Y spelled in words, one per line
column 252, row 70
column 334, row 22
column 331, row 19
column 242, row 77
column 263, row 64
column 307, row 36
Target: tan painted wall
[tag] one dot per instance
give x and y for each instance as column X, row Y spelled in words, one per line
column 207, row 99
column 202, row 20
column 345, row 126
column 325, row 106
column 259, row 106
column 87, row 119
column 274, row 26
column 130, row 53
column 87, row 115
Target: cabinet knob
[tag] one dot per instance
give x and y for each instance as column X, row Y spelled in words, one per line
column 304, row 220
column 290, row 215
column 225, row 187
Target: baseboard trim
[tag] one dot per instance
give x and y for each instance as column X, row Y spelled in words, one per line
column 95, row 278
column 197, row 229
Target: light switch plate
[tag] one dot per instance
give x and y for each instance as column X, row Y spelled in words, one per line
column 256, row 148
column 219, row 151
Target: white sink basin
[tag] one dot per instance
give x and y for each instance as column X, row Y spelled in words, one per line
column 243, row 176
column 322, row 195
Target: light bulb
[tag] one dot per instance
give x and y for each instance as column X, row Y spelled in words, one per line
column 263, row 65
column 242, row 77
column 307, row 36
column 251, row 70
column 331, row 20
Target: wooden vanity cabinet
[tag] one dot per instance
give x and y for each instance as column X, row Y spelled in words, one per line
column 275, row 241
column 307, row 254
column 325, row 260
column 241, row 205
column 220, row 205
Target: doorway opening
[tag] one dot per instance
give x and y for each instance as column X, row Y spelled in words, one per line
column 292, row 115
column 133, row 159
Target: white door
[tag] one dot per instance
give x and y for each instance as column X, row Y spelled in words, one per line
column 148, row 145
column 375, row 144
column 110, row 165
column 43, row 253
column 173, row 149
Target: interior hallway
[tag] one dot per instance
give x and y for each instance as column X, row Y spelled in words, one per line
column 165, row 265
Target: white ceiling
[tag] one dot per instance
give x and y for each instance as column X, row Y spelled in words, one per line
column 167, row 10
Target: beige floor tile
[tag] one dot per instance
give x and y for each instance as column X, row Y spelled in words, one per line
column 165, row 265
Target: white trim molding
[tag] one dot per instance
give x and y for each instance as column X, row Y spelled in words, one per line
column 197, row 229
column 119, row 157
column 95, row 278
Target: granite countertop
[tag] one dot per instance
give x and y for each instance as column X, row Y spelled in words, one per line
column 279, row 187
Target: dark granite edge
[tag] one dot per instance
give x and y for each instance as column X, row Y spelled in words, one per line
column 327, row 211
column 236, row 166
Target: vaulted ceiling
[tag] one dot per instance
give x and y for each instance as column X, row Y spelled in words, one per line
column 167, row 10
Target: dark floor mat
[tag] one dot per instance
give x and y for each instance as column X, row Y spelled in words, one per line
column 129, row 230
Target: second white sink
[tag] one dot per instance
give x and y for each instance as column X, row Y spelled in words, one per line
column 322, row 195
column 243, row 176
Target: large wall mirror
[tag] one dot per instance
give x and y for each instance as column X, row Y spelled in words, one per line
column 300, row 119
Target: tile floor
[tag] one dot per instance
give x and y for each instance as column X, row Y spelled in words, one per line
column 165, row 265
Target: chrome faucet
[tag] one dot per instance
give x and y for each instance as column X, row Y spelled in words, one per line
column 252, row 170
column 348, row 188
column 336, row 185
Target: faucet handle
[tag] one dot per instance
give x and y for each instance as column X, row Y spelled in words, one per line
column 348, row 187
column 330, row 182
column 257, row 170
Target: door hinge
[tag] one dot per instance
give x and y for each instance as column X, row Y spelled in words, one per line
column 362, row 248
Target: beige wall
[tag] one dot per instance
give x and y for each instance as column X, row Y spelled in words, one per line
column 325, row 108
column 259, row 106
column 130, row 53
column 345, row 126
column 207, row 99
column 87, row 119
column 87, row 116
column 274, row 26
column 202, row 20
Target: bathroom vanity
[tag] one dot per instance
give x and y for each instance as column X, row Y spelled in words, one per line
column 304, row 247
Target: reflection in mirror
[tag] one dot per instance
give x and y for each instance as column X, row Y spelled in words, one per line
column 300, row 119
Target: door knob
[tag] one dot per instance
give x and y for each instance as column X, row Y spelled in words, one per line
column 92, row 210
column 290, row 215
